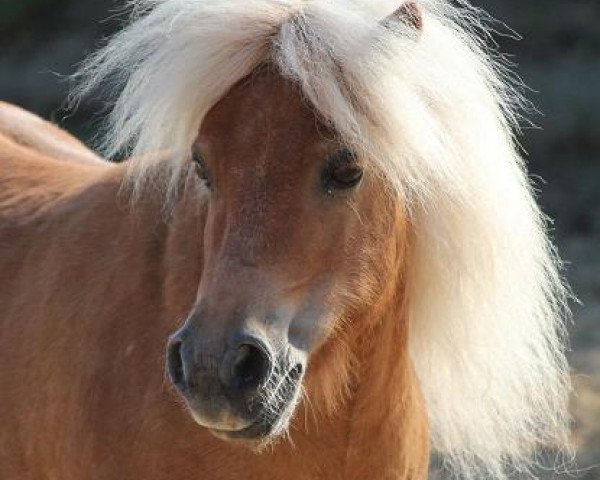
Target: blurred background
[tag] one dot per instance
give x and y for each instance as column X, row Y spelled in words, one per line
column 42, row 41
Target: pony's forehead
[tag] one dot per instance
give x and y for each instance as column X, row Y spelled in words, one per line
column 263, row 100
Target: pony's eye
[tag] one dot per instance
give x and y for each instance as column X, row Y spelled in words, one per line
column 342, row 171
column 200, row 166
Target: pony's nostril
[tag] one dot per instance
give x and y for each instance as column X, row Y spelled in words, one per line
column 250, row 367
column 175, row 363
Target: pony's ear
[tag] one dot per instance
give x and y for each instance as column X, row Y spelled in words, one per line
column 409, row 13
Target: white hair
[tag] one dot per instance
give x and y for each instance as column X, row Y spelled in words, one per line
column 435, row 111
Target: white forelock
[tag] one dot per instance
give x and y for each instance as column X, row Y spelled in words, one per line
column 435, row 113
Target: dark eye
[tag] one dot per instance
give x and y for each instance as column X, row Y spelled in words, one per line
column 200, row 166
column 342, row 171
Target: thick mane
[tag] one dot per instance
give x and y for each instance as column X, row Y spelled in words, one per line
column 435, row 114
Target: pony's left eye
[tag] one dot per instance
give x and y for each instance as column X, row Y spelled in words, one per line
column 200, row 166
column 342, row 171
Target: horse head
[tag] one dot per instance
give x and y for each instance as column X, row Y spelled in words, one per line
column 300, row 239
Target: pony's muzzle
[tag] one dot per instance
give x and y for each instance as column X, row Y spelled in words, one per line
column 244, row 367
column 223, row 382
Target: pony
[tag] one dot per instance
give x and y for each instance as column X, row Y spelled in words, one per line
column 324, row 248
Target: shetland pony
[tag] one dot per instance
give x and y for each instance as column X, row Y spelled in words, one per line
column 325, row 221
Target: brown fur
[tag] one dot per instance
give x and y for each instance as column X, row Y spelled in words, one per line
column 34, row 133
column 91, row 287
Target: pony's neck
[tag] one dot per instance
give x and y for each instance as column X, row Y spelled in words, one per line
column 388, row 427
column 381, row 419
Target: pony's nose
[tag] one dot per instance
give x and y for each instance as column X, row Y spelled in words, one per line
column 247, row 365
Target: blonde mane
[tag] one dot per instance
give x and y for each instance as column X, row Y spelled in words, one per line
column 435, row 114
